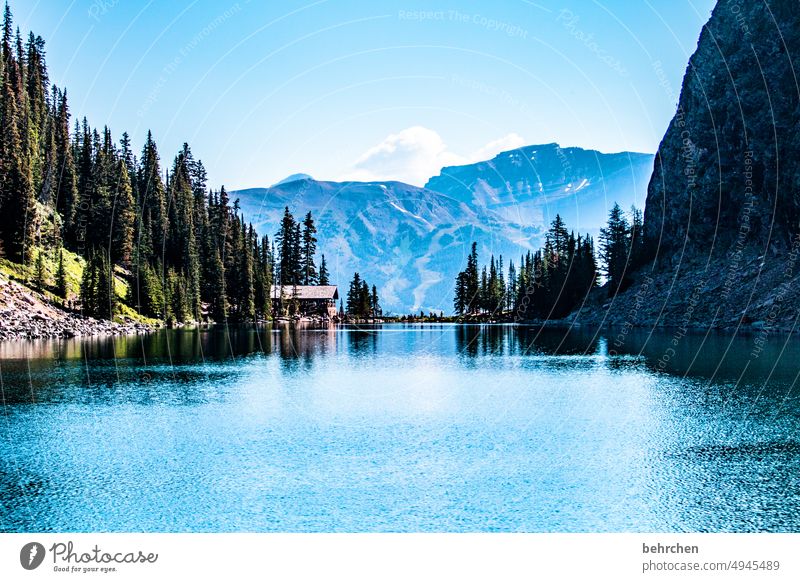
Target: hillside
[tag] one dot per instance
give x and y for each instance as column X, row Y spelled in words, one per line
column 28, row 314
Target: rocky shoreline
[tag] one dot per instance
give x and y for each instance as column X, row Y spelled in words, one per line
column 26, row 315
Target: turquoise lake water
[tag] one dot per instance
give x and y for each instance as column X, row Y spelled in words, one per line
column 401, row 428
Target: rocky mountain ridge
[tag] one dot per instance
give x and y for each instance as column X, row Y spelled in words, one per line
column 411, row 242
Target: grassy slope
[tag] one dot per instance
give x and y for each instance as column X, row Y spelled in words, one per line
column 73, row 266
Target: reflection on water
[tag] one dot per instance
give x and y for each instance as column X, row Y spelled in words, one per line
column 400, row 428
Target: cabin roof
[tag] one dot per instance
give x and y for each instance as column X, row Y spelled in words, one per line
column 305, row 291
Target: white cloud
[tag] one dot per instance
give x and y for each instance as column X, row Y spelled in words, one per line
column 511, row 141
column 417, row 153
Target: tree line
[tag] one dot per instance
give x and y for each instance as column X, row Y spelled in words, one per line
column 362, row 301
column 554, row 280
column 186, row 250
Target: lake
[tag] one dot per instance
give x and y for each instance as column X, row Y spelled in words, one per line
column 422, row 428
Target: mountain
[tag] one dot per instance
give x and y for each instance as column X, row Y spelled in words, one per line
column 722, row 211
column 532, row 184
column 407, row 240
column 411, row 242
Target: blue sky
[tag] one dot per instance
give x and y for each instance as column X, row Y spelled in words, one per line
column 346, row 89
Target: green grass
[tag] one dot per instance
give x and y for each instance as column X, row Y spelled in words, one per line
column 73, row 268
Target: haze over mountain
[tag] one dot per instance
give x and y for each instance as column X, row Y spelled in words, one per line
column 411, row 241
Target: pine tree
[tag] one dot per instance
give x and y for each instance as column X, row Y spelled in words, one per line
column 638, row 247
column 615, row 248
column 308, row 250
column 147, row 291
column 105, row 301
column 324, row 276
column 375, row 306
column 61, row 277
column 88, row 289
column 181, row 248
column 41, row 273
column 65, row 186
column 219, row 302
column 511, row 288
column 285, row 239
column 17, row 206
column 364, row 306
column 122, row 217
column 152, row 201
column 247, row 309
column 460, row 301
column 472, row 299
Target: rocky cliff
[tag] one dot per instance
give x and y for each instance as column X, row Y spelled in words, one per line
column 723, row 203
column 27, row 314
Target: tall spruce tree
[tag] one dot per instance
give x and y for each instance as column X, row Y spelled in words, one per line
column 324, row 276
column 615, row 248
column 287, row 249
column 18, row 217
column 308, row 250
column 61, row 277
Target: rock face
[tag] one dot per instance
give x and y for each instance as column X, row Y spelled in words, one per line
column 25, row 314
column 730, row 154
column 723, row 203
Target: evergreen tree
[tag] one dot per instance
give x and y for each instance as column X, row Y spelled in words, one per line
column 511, row 288
column 151, row 202
column 361, row 302
column 354, row 296
column 88, row 288
column 122, row 217
column 61, row 277
column 247, row 306
column 18, row 218
column 308, row 250
column 65, row 188
column 105, row 300
column 41, row 273
column 615, row 248
column 287, row 249
column 324, row 276
column 638, row 247
column 375, row 303
column 472, row 299
column 219, row 299
column 364, row 303
column 147, row 291
column 180, row 247
column 460, row 300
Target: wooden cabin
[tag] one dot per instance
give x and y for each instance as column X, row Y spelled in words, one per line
column 309, row 299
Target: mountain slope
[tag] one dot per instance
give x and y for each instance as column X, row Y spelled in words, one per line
column 721, row 219
column 532, row 184
column 406, row 240
column 411, row 242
